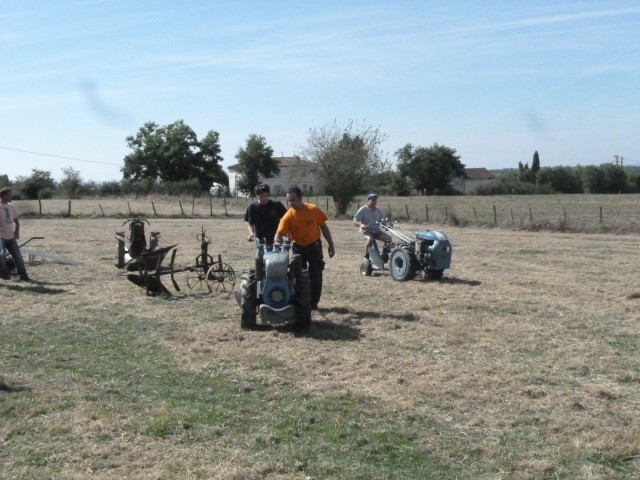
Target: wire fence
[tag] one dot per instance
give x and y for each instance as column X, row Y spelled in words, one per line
column 556, row 212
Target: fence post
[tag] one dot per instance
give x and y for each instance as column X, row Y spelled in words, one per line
column 181, row 209
column 406, row 207
column 600, row 214
column 495, row 216
column 193, row 205
column 475, row 214
column 101, row 209
column 129, row 208
column 69, row 210
column 426, row 211
column 39, row 207
column 565, row 215
column 512, row 220
column 224, row 202
column 153, row 205
column 446, row 214
column 530, row 215
column 210, row 206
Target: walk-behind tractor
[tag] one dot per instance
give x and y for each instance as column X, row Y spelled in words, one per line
column 427, row 252
column 277, row 290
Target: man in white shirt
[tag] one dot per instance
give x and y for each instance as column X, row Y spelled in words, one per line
column 367, row 218
column 10, row 232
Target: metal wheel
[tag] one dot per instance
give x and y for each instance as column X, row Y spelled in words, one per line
column 402, row 264
column 366, row 270
column 221, row 277
column 196, row 280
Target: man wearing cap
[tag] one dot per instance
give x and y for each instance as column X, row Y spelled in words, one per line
column 10, row 232
column 264, row 216
column 367, row 218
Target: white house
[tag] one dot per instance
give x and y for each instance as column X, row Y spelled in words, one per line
column 472, row 179
column 293, row 171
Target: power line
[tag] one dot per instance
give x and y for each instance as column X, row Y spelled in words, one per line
column 59, row 156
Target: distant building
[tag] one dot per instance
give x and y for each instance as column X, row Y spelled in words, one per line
column 472, row 179
column 293, row 171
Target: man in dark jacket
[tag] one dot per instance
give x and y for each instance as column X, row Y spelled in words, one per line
column 264, row 216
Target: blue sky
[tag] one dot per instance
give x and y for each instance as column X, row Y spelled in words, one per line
column 495, row 80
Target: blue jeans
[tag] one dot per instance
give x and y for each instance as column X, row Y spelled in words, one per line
column 14, row 250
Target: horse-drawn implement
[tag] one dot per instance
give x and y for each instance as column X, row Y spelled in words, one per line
column 145, row 267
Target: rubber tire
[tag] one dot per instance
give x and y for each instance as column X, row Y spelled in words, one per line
column 366, row 270
column 248, row 299
column 402, row 264
column 302, row 300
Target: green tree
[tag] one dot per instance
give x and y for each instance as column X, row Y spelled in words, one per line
column 39, row 184
column 255, row 160
column 346, row 159
column 172, row 153
column 431, row 169
column 524, row 173
column 535, row 165
column 71, row 182
column 560, row 179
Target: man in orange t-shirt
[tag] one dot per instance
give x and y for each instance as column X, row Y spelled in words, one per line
column 304, row 222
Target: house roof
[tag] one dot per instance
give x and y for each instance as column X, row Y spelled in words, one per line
column 282, row 162
column 478, row 174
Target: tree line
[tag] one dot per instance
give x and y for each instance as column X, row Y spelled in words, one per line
column 346, row 159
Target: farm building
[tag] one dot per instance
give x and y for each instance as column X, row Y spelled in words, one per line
column 293, row 171
column 472, row 179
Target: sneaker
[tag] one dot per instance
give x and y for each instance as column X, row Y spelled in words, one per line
column 25, row 278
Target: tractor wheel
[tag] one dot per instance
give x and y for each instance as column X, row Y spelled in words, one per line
column 402, row 264
column 434, row 274
column 366, row 270
column 248, row 299
column 302, row 291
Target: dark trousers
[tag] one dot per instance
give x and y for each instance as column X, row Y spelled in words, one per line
column 14, row 250
column 311, row 256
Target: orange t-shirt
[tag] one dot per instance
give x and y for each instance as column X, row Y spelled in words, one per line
column 303, row 226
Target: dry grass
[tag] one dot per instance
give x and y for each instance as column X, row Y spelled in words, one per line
column 522, row 363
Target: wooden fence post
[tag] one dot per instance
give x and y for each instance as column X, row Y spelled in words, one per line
column 475, row 214
column 530, row 215
column 69, row 210
column 193, row 205
column 39, row 207
column 210, row 206
column 495, row 216
column 101, row 209
column 181, row 209
column 426, row 211
column 600, row 214
column 129, row 208
column 153, row 205
column 406, row 207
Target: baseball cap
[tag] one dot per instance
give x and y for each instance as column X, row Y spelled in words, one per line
column 263, row 188
column 4, row 190
column 372, row 196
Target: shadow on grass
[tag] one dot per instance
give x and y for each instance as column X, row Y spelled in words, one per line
column 358, row 315
column 5, row 387
column 460, row 281
column 36, row 287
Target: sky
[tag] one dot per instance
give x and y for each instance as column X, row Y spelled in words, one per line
column 494, row 80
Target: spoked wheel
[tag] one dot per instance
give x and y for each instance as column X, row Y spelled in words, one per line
column 197, row 280
column 221, row 278
column 402, row 264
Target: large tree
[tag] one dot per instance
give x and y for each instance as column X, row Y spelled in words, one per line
column 347, row 158
column 431, row 169
column 172, row 153
column 255, row 160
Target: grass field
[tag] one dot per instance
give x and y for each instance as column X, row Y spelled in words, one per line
column 521, row 363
